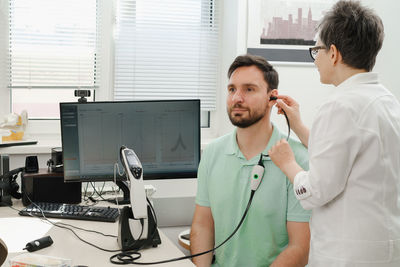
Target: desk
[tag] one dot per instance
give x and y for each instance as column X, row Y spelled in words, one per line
column 66, row 245
column 174, row 199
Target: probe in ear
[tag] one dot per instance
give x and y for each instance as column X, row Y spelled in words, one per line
column 273, row 98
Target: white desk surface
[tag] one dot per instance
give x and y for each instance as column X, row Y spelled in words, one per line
column 43, row 146
column 17, row 230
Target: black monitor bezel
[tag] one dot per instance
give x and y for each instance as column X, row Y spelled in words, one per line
column 179, row 175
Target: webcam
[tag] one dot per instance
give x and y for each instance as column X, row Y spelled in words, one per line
column 82, row 94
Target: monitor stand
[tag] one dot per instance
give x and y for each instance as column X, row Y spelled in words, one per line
column 123, row 185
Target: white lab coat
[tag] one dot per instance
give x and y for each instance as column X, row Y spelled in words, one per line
column 353, row 184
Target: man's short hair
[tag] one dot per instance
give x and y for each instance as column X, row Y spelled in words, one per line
column 355, row 30
column 270, row 75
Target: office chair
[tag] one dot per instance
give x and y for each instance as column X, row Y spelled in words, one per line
column 3, row 252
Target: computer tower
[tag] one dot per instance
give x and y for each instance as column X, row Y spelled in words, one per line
column 46, row 186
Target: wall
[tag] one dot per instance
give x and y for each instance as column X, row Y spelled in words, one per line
column 389, row 57
column 302, row 82
column 299, row 82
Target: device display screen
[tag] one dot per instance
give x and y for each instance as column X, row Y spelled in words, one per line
column 131, row 158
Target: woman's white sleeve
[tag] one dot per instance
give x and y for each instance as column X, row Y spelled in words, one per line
column 334, row 144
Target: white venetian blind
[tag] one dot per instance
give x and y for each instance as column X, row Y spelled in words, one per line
column 53, row 44
column 167, row 49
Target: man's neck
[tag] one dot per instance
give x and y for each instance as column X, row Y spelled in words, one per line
column 253, row 139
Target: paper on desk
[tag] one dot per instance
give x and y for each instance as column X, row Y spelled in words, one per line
column 16, row 232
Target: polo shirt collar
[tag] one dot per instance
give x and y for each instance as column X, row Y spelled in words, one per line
column 232, row 147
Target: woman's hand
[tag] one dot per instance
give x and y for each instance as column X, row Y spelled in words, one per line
column 282, row 156
column 292, row 109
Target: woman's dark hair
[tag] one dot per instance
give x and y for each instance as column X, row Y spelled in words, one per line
column 356, row 31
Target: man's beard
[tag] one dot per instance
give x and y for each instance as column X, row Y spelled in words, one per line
column 254, row 117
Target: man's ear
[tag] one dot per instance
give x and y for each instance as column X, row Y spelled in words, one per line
column 273, row 94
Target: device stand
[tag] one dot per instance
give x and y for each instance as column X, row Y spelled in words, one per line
column 125, row 191
column 126, row 240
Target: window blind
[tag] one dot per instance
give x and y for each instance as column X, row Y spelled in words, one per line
column 167, row 49
column 53, row 44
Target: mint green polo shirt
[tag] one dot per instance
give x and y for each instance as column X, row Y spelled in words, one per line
column 224, row 185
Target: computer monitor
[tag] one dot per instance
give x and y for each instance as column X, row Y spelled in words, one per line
column 164, row 134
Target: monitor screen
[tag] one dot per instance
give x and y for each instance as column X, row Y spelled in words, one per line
column 164, row 134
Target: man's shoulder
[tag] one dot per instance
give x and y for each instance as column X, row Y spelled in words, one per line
column 221, row 141
column 296, row 145
column 299, row 150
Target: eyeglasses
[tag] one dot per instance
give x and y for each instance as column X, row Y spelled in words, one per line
column 314, row 51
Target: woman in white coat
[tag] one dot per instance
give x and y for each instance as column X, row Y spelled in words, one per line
column 353, row 184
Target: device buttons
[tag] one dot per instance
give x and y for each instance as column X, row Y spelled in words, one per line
column 137, row 172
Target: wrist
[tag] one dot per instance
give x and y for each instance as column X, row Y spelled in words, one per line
column 291, row 169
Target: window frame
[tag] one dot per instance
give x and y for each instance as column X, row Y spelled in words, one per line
column 50, row 128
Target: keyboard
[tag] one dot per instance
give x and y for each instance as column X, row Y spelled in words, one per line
column 70, row 211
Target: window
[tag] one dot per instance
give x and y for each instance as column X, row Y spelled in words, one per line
column 167, row 50
column 52, row 52
column 161, row 50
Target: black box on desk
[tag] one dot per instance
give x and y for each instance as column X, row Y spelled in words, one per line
column 45, row 186
column 4, row 164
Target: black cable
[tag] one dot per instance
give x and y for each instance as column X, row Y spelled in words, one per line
column 85, row 194
column 86, row 230
column 288, row 124
column 11, row 207
column 95, row 191
column 132, row 260
column 44, row 218
column 101, row 191
column 99, row 194
column 152, row 211
column 287, row 137
column 60, row 225
column 125, row 257
column 84, row 241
